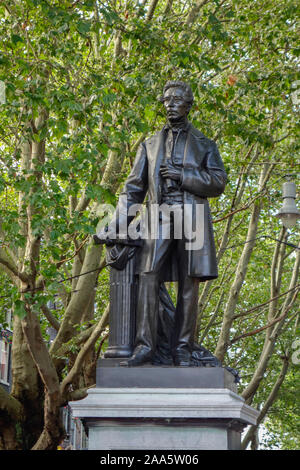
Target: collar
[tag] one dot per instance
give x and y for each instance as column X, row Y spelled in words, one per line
column 183, row 128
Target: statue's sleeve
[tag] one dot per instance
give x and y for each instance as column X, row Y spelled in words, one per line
column 136, row 186
column 210, row 179
column 137, row 182
column 134, row 192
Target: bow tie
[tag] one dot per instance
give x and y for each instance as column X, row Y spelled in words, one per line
column 176, row 129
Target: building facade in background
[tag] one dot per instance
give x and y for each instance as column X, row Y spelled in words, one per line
column 5, row 352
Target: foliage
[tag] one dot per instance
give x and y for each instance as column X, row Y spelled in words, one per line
column 282, row 428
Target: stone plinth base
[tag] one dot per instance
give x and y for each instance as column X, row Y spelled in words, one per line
column 164, row 418
column 109, row 374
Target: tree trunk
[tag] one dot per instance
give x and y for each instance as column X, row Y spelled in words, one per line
column 27, row 387
column 53, row 431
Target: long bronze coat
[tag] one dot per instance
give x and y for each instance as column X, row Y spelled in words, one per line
column 203, row 176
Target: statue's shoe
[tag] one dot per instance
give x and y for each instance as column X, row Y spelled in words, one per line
column 182, row 360
column 140, row 356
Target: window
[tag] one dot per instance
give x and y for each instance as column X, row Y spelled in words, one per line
column 4, row 358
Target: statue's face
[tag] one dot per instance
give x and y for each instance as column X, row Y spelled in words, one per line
column 175, row 104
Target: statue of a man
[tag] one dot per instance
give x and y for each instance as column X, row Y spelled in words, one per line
column 177, row 167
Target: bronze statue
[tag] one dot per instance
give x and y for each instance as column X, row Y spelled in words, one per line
column 177, row 167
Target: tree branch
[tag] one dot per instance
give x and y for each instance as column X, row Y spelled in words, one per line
column 10, row 407
column 276, row 320
column 194, row 12
column 50, row 317
column 168, row 7
column 76, row 341
column 268, row 403
column 11, row 267
column 39, row 352
column 151, row 10
column 265, row 303
column 83, row 352
column 80, row 297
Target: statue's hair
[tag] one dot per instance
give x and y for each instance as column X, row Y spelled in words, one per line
column 189, row 97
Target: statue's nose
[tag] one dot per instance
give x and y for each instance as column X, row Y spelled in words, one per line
column 170, row 103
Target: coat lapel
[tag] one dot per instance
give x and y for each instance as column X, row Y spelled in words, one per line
column 156, row 154
column 191, row 147
column 156, row 150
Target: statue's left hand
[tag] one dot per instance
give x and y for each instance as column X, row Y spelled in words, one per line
column 170, row 172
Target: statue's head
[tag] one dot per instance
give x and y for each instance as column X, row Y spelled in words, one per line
column 177, row 99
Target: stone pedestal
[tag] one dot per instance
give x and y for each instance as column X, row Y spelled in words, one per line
column 164, row 408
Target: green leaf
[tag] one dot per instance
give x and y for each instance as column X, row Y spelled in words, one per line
column 15, row 38
column 84, row 27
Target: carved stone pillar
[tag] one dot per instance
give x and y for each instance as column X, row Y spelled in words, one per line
column 123, row 292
